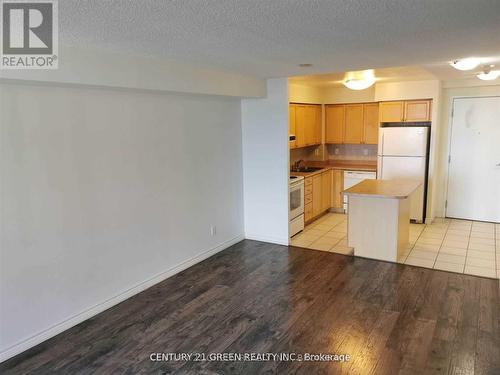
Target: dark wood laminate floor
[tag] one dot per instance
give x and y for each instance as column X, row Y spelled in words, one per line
column 258, row 297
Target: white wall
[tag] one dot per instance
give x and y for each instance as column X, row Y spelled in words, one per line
column 444, row 142
column 102, row 68
column 265, row 164
column 106, row 192
column 333, row 95
column 304, row 94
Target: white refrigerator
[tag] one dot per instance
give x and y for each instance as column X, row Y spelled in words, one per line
column 402, row 153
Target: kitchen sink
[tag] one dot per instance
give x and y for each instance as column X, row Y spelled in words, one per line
column 307, row 169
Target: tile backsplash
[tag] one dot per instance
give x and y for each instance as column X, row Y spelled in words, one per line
column 307, row 153
column 334, row 152
column 351, row 152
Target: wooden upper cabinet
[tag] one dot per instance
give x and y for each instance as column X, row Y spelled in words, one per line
column 318, row 124
column 417, row 110
column 310, row 124
column 353, row 133
column 307, row 124
column 300, row 129
column 291, row 124
column 391, row 111
column 405, row 111
column 334, row 123
column 371, row 123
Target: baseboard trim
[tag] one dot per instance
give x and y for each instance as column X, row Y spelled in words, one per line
column 102, row 306
column 275, row 240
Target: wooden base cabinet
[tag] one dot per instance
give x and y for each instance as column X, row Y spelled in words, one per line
column 337, row 188
column 326, row 190
column 308, row 193
column 318, row 193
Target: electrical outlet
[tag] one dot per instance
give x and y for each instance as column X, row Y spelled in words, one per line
column 365, row 151
column 213, row 230
column 336, row 151
column 316, row 151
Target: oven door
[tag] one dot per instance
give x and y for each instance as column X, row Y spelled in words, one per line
column 296, row 200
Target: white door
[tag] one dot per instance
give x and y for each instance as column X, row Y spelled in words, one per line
column 408, row 168
column 474, row 169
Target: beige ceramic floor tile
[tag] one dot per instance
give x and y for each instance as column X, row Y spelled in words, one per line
column 485, row 241
column 423, row 254
column 462, row 228
column 425, row 247
column 478, row 262
column 455, row 244
column 319, row 245
column 483, row 227
column 450, row 258
column 301, row 243
column 313, row 232
column 455, row 237
column 322, row 226
column 343, row 242
column 452, row 267
column 463, row 233
column 453, row 251
column 334, row 234
column 342, row 250
column 482, row 247
column 308, row 236
column 429, row 241
column 481, row 255
column 480, row 271
column 432, row 235
column 490, row 236
column 429, row 263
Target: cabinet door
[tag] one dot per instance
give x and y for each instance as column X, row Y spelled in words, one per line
column 317, row 196
column 334, row 124
column 326, row 190
column 310, row 124
column 391, row 111
column 300, row 125
column 338, row 186
column 417, row 110
column 353, row 132
column 371, row 124
column 291, row 124
column 318, row 124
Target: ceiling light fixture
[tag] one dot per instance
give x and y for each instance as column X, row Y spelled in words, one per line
column 359, row 80
column 488, row 74
column 465, row 64
column 305, row 65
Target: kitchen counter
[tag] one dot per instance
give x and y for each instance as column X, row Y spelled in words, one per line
column 379, row 218
column 350, row 165
column 398, row 189
column 347, row 165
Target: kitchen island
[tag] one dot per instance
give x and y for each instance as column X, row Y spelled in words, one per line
column 379, row 218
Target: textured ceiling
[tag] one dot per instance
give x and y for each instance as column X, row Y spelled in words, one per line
column 269, row 38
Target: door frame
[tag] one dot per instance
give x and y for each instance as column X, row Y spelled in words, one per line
column 450, row 134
